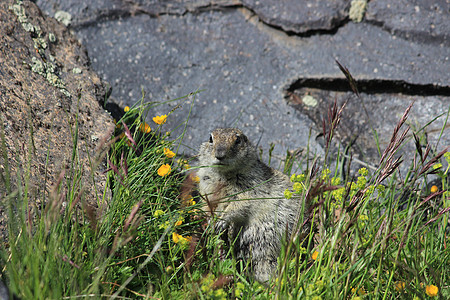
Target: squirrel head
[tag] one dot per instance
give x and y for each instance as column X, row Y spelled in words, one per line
column 228, row 148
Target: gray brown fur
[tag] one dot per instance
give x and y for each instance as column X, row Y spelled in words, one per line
column 248, row 198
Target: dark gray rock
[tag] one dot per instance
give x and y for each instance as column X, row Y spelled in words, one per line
column 301, row 17
column 417, row 20
column 246, row 68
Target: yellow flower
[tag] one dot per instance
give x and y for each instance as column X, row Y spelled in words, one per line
column 168, row 153
column 126, row 109
column 297, row 187
column 164, row 170
column 287, row 194
column 363, row 217
column 363, row 172
column 180, row 221
column 399, row 286
column 176, row 237
column 434, row 189
column 144, row 127
column 158, row 213
column 431, row 290
column 196, row 179
column 160, row 119
column 164, row 225
column 315, row 255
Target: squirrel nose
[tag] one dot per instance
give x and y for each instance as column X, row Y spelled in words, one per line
column 221, row 153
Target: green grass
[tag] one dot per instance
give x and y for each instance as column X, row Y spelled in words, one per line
column 374, row 236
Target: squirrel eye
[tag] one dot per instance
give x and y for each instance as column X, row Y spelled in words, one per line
column 238, row 139
column 210, row 138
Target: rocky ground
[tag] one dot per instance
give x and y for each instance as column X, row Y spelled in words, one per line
column 257, row 60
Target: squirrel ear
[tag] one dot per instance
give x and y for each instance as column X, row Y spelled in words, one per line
column 210, row 138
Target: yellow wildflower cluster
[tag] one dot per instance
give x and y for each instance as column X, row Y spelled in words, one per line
column 239, row 288
column 164, row 170
column 360, row 291
column 160, row 119
column 168, row 153
column 399, row 286
column 179, row 239
column 297, row 187
column 434, row 189
column 180, row 221
column 431, row 290
column 325, row 174
column 158, row 213
column 207, row 287
column 184, row 164
column 298, row 178
column 287, row 194
column 145, row 128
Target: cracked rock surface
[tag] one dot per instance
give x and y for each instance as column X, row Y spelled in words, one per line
column 257, row 60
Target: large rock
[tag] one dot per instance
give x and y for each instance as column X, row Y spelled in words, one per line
column 46, row 87
column 251, row 57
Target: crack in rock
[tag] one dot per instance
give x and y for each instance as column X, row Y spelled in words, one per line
column 128, row 8
column 370, row 86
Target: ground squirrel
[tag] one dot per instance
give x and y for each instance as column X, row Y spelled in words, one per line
column 248, row 198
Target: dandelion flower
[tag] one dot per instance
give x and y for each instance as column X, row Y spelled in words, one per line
column 160, row 119
column 145, row 128
column 434, row 189
column 126, row 109
column 196, row 179
column 431, row 290
column 315, row 255
column 168, row 153
column 164, row 170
